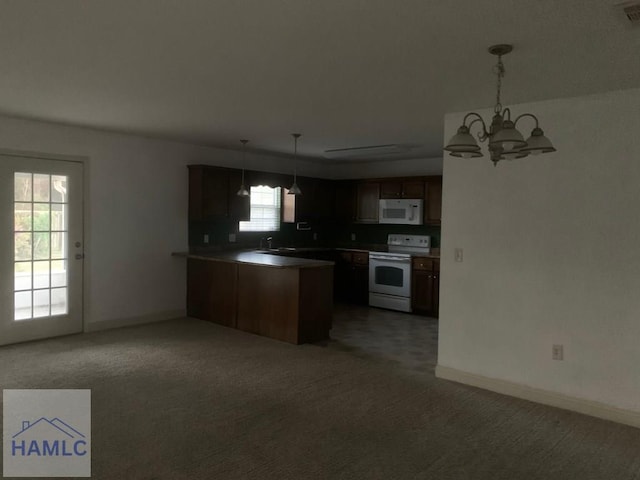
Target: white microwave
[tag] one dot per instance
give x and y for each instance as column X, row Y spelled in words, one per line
column 404, row 211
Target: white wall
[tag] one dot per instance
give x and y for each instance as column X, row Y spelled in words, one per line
column 138, row 211
column 551, row 255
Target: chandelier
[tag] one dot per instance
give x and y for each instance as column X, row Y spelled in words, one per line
column 505, row 141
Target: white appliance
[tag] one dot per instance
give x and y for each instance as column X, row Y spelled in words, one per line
column 390, row 272
column 403, row 211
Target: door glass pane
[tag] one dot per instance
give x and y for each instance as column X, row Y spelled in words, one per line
column 23, row 246
column 59, row 273
column 58, row 188
column 41, row 303
column 390, row 276
column 58, row 245
column 22, row 187
column 22, row 305
column 59, row 303
column 22, row 216
column 41, row 217
column 41, row 187
column 59, row 216
column 22, row 276
column 40, row 248
column 41, row 274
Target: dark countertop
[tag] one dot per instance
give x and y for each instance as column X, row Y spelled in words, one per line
column 256, row 258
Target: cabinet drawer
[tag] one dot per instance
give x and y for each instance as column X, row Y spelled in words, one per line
column 361, row 258
column 421, row 263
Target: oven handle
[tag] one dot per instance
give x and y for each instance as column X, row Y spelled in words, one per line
column 389, row 259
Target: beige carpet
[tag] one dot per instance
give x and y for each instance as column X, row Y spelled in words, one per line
column 191, row 400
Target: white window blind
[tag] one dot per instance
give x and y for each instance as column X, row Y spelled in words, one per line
column 265, row 210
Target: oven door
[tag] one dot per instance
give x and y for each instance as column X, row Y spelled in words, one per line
column 390, row 275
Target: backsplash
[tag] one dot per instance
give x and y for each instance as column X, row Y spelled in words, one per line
column 326, row 234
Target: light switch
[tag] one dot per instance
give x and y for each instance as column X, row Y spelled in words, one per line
column 206, row 238
column 458, row 254
column 232, row 237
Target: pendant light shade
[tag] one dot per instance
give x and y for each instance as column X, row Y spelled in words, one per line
column 537, row 143
column 462, row 142
column 242, row 191
column 295, row 189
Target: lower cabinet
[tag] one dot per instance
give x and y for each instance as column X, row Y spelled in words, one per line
column 212, row 288
column 425, row 286
column 352, row 277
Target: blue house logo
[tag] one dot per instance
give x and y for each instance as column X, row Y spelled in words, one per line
column 48, row 438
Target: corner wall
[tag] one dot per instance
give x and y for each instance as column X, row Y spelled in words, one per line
column 551, row 256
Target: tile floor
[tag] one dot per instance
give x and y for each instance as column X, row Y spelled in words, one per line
column 407, row 341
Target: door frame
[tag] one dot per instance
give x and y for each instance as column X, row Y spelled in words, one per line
column 86, row 230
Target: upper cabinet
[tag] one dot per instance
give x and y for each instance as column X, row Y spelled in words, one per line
column 212, row 194
column 345, row 201
column 402, row 189
column 367, row 202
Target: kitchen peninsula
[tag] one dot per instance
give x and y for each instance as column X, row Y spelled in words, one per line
column 288, row 299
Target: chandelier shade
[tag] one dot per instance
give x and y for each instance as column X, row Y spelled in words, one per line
column 504, row 139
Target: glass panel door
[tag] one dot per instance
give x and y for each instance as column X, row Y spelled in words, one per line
column 40, row 215
column 40, row 253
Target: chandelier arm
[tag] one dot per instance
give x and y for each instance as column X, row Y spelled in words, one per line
column 526, row 115
column 483, row 134
column 472, row 114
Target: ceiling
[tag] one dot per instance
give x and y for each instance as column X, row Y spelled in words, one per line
column 344, row 73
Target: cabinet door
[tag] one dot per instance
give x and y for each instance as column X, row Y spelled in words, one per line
column 360, row 292
column 345, row 202
column 215, row 193
column 433, row 201
column 391, row 190
column 422, row 291
column 368, row 200
column 413, row 189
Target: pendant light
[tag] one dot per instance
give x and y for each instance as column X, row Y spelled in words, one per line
column 243, row 192
column 295, row 189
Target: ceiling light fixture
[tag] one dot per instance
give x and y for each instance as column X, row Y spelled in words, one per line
column 505, row 141
column 295, row 189
column 243, row 192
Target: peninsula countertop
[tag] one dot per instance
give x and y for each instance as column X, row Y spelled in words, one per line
column 256, row 258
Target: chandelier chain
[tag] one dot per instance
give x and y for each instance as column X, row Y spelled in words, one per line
column 499, row 69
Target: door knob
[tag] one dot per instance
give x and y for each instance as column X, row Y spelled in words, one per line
column 78, row 244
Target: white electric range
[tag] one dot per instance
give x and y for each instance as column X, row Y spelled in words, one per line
column 390, row 272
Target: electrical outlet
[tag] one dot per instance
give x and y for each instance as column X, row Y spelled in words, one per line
column 315, row 236
column 458, row 254
column 206, row 238
column 232, row 237
column 557, row 352
column 353, row 237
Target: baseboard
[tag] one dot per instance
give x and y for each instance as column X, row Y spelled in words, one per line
column 140, row 320
column 587, row 407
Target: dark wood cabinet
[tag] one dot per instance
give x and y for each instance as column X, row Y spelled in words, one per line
column 402, row 189
column 344, row 201
column 352, row 277
column 425, row 286
column 433, row 201
column 212, row 194
column 367, row 202
column 211, row 291
column 316, row 204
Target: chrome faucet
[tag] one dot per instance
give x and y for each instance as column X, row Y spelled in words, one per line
column 269, row 242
